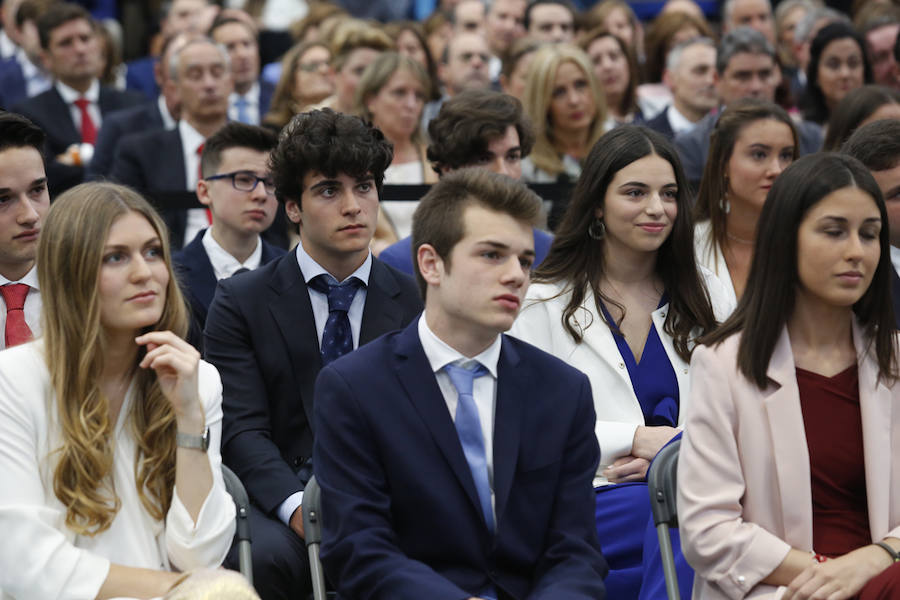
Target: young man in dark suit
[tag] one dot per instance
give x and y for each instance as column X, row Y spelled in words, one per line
column 270, row 331
column 456, row 462
column 71, row 112
column 238, row 191
column 250, row 100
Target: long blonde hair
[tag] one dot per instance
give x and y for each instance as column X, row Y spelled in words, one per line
column 69, row 255
column 539, row 93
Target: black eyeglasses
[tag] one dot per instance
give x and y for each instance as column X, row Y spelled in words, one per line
column 245, row 181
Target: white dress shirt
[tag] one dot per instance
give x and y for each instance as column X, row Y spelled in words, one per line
column 169, row 122
column 191, row 139
column 252, row 99
column 484, row 389
column 310, row 269
column 92, row 95
column 7, row 46
column 32, row 308
column 224, row 264
column 677, row 121
column 895, row 258
column 41, row 558
column 36, row 80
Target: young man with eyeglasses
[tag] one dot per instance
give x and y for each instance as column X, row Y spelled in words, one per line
column 237, row 190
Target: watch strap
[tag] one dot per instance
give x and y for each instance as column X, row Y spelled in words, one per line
column 192, row 440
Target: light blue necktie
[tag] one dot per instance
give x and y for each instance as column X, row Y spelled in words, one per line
column 468, row 428
column 242, row 114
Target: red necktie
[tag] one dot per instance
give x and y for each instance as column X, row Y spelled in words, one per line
column 200, row 176
column 88, row 129
column 17, row 330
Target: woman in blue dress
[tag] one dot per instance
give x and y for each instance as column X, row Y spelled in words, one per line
column 620, row 297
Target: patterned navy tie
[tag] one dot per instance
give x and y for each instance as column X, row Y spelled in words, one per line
column 337, row 338
column 468, row 428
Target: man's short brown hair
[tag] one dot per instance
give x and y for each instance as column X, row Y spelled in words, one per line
column 438, row 220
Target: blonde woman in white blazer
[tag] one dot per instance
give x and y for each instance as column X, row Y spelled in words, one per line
column 789, row 477
column 620, row 297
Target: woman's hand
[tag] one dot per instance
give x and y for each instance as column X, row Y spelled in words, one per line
column 649, row 440
column 176, row 363
column 838, row 578
column 627, row 468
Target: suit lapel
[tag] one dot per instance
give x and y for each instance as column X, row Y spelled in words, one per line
column 172, row 154
column 875, row 406
column 381, row 313
column 293, row 312
column 789, row 445
column 418, row 380
column 512, row 387
column 61, row 116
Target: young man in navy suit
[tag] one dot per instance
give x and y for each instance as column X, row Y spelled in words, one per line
column 270, row 331
column 456, row 462
column 237, row 189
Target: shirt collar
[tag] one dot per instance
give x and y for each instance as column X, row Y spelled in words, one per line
column 678, row 121
column 252, row 95
column 440, row 354
column 169, row 122
column 190, row 137
column 223, row 262
column 70, row 95
column 895, row 258
column 310, row 268
column 30, row 278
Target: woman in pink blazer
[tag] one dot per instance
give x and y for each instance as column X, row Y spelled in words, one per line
column 789, row 475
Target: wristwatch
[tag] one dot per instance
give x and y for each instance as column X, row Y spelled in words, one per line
column 193, row 441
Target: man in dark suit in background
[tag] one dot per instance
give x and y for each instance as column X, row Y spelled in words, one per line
column 691, row 76
column 238, row 191
column 877, row 145
column 250, row 100
column 269, row 331
column 160, row 114
column 169, row 160
column 456, row 462
column 22, row 75
column 72, row 111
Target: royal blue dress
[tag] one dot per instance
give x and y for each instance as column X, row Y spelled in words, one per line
column 624, row 521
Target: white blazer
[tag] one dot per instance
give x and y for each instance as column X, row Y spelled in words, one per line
column 618, row 411
column 744, row 491
column 709, row 256
column 41, row 558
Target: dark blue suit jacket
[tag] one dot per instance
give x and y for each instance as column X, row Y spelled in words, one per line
column 13, row 88
column 660, row 123
column 399, row 254
column 401, row 515
column 136, row 119
column 198, row 280
column 895, row 295
column 140, row 76
column 266, row 91
column 51, row 113
column 261, row 335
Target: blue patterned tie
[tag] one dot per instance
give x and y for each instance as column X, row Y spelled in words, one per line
column 468, row 428
column 242, row 114
column 337, row 338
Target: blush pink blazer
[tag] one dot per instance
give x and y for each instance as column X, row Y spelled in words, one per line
column 743, row 475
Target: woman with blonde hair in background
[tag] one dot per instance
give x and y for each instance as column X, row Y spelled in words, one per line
column 306, row 79
column 110, row 423
column 567, row 109
column 391, row 94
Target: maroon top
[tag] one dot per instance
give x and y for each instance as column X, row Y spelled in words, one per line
column 833, row 425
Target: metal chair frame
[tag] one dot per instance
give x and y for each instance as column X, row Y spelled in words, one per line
column 662, row 483
column 242, row 522
column 312, row 528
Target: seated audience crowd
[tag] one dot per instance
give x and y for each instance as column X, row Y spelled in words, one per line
column 471, row 264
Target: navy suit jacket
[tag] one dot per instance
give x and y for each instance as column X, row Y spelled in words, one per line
column 660, row 123
column 399, row 254
column 51, row 113
column 137, row 119
column 13, row 87
column 266, row 91
column 895, row 295
column 198, row 280
column 140, row 76
column 153, row 161
column 261, row 335
column 401, row 517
